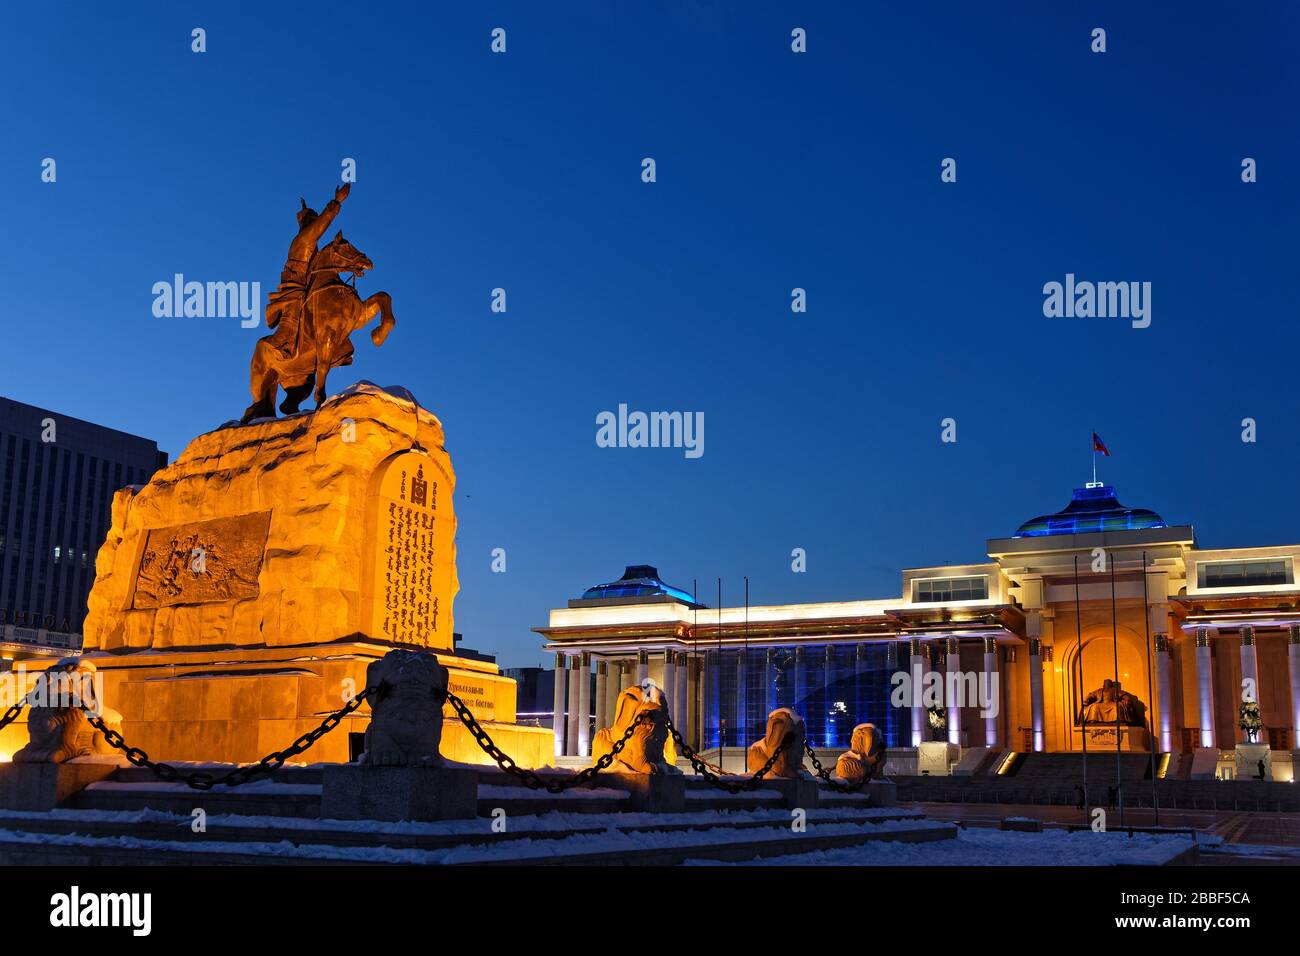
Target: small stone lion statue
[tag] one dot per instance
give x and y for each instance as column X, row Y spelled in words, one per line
column 780, row 723
column 57, row 725
column 644, row 751
column 405, row 710
column 866, row 755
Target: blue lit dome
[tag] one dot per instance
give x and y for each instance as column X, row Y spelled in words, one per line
column 1091, row 510
column 638, row 580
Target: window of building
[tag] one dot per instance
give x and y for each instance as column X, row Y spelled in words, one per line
column 1244, row 574
column 946, row 590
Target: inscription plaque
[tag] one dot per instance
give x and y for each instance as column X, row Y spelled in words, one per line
column 413, row 580
column 202, row 562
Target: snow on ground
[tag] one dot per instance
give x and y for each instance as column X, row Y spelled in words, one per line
column 524, row 850
column 981, row 847
column 545, row 822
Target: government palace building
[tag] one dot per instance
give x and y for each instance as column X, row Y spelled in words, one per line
column 1095, row 593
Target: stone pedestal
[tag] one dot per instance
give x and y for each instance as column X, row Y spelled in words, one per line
column 883, row 793
column 797, row 793
column 1248, row 760
column 44, row 786
column 935, row 758
column 1101, row 738
column 649, row 792
column 363, row 792
column 240, row 595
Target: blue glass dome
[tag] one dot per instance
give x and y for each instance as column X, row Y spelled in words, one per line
column 638, row 580
column 1091, row 510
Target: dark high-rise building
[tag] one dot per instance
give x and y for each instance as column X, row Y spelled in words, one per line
column 57, row 479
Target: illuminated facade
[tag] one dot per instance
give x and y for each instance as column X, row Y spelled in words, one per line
column 1091, row 593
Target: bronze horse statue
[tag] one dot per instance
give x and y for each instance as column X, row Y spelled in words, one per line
column 331, row 311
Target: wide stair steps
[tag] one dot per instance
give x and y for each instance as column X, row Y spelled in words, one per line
column 133, row 818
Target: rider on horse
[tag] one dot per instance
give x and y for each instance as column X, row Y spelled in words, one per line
column 284, row 306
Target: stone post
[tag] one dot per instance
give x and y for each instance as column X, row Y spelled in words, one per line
column 670, row 683
column 642, row 665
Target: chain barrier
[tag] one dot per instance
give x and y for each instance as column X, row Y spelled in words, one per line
column 199, row 780
column 829, row 780
column 704, row 770
column 12, row 713
column 531, row 779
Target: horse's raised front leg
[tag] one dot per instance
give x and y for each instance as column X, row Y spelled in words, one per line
column 381, row 304
column 324, row 349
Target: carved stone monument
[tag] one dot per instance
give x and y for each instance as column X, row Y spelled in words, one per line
column 645, row 706
column 864, row 757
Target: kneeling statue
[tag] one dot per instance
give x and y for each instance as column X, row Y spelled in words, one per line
column 782, row 724
column 644, row 705
column 58, row 727
column 865, row 756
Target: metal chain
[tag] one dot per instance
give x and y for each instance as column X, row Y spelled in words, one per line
column 12, row 713
column 206, row 781
column 531, row 779
column 704, row 770
column 828, row 780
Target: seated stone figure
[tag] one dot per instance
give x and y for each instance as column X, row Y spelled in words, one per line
column 865, row 756
column 1110, row 703
column 57, row 724
column 780, row 723
column 644, row 751
column 405, row 713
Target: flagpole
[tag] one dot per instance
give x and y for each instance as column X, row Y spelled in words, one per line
column 1114, row 639
column 1083, row 727
column 1094, row 457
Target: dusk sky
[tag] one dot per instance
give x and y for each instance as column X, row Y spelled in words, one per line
column 775, row 170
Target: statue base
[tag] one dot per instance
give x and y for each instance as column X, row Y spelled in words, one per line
column 1102, row 737
column 240, row 595
column 44, row 786
column 935, row 758
column 362, row 792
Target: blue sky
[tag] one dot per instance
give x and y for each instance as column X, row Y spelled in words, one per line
column 775, row 171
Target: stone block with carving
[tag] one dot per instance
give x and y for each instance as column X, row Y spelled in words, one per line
column 407, row 689
column 57, row 723
column 781, row 723
column 646, row 706
column 864, row 757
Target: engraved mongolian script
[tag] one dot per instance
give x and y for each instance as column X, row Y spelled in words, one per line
column 414, row 571
column 202, row 562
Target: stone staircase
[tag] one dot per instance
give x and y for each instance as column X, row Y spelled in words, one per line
column 133, row 817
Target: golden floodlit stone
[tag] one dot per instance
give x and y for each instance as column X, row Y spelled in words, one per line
column 241, row 594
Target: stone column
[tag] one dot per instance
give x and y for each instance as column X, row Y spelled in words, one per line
column 670, row 683
column 571, row 735
column 692, row 700
column 1205, row 684
column 918, row 662
column 701, row 698
column 602, row 694
column 584, row 704
column 738, row 730
column 993, row 682
column 642, row 665
column 860, row 675
column 624, row 675
column 1036, row 692
column 558, row 723
column 1165, row 692
column 1249, row 661
column 1293, row 658
column 681, row 710
column 952, row 665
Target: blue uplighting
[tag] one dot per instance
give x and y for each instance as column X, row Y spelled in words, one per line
column 1090, row 511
